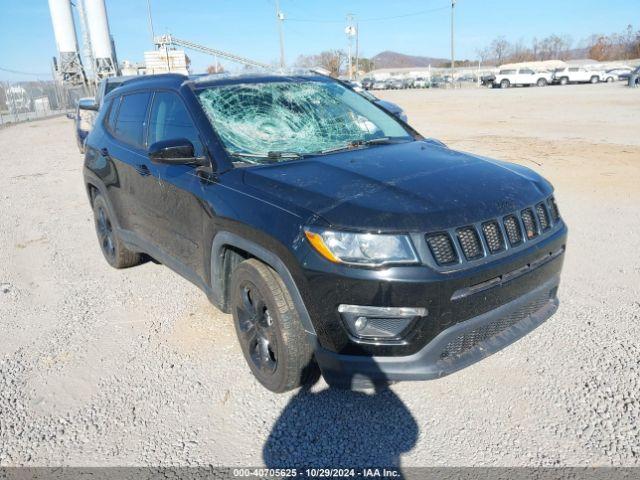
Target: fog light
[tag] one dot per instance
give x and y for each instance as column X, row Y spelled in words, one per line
column 360, row 324
column 379, row 322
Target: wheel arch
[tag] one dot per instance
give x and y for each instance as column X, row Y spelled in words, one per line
column 94, row 187
column 228, row 250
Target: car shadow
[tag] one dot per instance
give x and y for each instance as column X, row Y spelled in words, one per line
column 337, row 427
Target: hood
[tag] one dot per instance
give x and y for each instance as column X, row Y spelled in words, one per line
column 414, row 186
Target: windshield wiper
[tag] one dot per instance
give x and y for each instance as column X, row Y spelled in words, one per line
column 360, row 143
column 270, row 156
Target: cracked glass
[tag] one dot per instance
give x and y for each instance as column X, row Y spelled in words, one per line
column 282, row 120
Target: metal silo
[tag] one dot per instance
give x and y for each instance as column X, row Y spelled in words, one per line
column 70, row 66
column 103, row 55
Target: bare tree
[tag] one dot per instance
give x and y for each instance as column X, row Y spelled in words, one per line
column 500, row 49
column 331, row 60
column 217, row 68
column 485, row 54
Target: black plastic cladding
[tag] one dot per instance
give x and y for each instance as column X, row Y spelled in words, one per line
column 494, row 233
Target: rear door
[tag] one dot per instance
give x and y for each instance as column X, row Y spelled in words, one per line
column 125, row 146
column 525, row 76
column 574, row 74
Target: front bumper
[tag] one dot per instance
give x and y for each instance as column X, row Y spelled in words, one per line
column 452, row 349
column 450, row 297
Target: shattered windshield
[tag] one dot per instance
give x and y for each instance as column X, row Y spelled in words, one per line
column 282, row 120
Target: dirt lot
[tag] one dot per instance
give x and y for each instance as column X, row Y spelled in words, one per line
column 106, row 367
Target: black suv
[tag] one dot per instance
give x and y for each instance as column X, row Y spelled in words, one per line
column 333, row 232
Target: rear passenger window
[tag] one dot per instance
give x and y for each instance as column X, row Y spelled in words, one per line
column 131, row 117
column 170, row 120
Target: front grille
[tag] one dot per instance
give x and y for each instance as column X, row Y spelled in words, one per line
column 512, row 227
column 473, row 337
column 543, row 219
column 529, row 223
column 493, row 236
column 442, row 248
column 470, row 243
column 553, row 208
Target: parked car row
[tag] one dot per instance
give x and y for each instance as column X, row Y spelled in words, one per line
column 395, row 83
column 562, row 76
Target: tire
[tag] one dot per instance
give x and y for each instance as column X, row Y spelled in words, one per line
column 505, row 83
column 594, row 79
column 609, row 79
column 542, row 82
column 269, row 329
column 113, row 249
column 564, row 81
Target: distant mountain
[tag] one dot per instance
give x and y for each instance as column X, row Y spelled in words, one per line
column 390, row 59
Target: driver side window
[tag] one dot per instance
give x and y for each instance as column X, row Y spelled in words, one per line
column 170, row 120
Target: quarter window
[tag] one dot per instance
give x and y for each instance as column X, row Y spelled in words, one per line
column 131, row 118
column 113, row 111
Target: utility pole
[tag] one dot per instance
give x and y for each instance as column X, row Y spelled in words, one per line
column 357, row 46
column 153, row 38
column 350, row 31
column 453, row 55
column 453, row 61
column 280, row 19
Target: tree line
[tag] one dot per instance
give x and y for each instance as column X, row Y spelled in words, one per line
column 617, row 46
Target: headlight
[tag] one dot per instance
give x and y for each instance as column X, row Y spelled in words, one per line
column 364, row 249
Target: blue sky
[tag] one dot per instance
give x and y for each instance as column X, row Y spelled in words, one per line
column 248, row 27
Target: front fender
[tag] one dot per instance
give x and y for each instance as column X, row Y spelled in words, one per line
column 225, row 239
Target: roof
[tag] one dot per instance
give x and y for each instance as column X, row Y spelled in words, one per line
column 535, row 65
column 259, row 76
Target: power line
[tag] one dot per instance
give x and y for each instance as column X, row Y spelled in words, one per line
column 374, row 19
column 24, row 73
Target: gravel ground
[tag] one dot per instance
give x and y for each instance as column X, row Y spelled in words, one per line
column 103, row 367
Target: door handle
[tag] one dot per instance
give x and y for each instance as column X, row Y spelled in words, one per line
column 143, row 170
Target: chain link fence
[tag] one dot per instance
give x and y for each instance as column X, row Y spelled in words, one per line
column 26, row 101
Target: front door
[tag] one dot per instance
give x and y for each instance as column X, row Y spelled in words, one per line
column 179, row 215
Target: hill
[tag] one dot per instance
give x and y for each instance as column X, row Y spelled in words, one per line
column 388, row 59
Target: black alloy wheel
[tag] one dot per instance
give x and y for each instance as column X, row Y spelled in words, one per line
column 257, row 330
column 105, row 233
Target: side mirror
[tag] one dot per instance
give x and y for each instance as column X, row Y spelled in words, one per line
column 179, row 151
column 88, row 104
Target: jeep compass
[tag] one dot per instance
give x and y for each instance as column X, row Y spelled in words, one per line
column 335, row 235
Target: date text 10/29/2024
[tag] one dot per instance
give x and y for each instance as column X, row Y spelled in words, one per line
column 317, row 473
